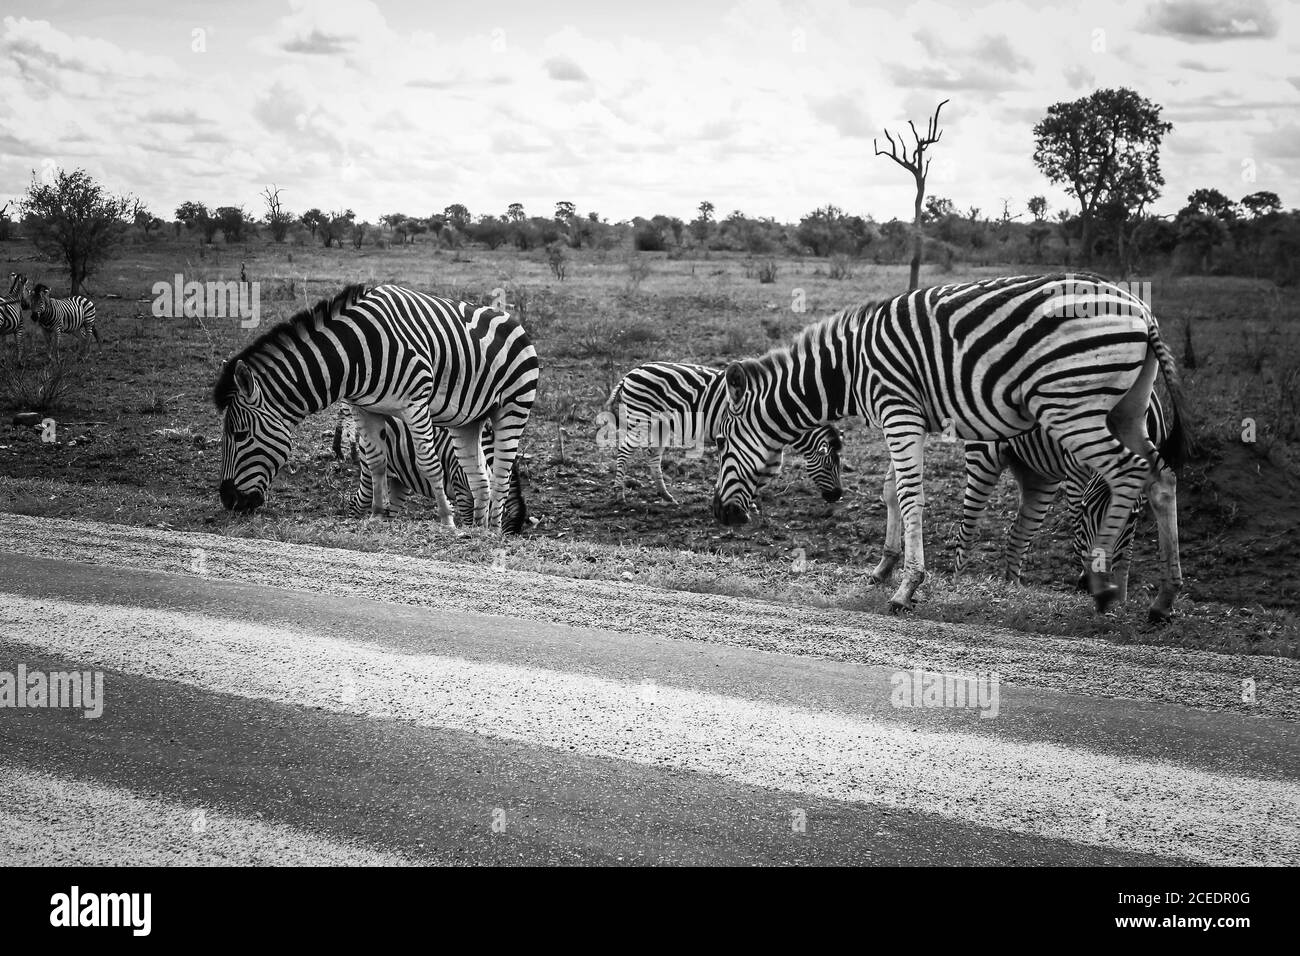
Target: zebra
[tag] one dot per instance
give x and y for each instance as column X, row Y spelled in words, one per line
column 405, row 477
column 659, row 402
column 983, row 361
column 11, row 311
column 386, row 351
column 56, row 317
column 1041, row 467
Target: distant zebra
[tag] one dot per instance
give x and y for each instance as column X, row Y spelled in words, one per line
column 1040, row 467
column 405, row 477
column 387, row 351
column 662, row 403
column 56, row 317
column 1076, row 355
column 11, row 311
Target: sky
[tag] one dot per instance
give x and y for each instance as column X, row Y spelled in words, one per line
column 763, row 106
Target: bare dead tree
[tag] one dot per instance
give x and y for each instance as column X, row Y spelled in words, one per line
column 276, row 217
column 916, row 163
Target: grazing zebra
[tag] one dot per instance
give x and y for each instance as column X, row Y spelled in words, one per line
column 57, row 317
column 386, row 351
column 659, row 402
column 11, row 311
column 988, row 360
column 405, row 477
column 1040, row 467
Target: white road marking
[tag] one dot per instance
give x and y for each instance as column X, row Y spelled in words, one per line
column 1048, row 790
column 48, row 820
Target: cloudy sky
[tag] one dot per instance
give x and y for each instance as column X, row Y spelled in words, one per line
column 759, row 105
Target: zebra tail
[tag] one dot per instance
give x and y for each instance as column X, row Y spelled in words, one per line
column 612, row 402
column 338, row 434
column 1178, row 447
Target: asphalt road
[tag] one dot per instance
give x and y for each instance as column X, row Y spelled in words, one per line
column 277, row 704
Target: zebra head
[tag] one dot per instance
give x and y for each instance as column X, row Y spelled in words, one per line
column 821, row 448
column 753, row 432
column 255, row 442
column 40, row 300
column 18, row 286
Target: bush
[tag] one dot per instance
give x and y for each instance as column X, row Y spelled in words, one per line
column 648, row 239
column 33, row 389
column 840, row 268
column 767, row 272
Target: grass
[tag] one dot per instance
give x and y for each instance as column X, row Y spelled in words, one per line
column 154, row 458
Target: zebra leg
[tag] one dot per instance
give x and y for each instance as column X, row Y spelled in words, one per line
column 893, row 531
column 1087, row 434
column 985, row 462
column 426, row 458
column 1162, row 492
column 507, row 428
column 1036, row 494
column 374, row 463
column 657, row 465
column 620, row 468
column 906, row 441
column 468, row 441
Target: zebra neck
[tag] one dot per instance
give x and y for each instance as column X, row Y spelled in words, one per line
column 279, row 367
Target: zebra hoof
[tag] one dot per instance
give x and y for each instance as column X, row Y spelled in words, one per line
column 896, row 607
column 1104, row 598
column 1081, row 583
column 1156, row 616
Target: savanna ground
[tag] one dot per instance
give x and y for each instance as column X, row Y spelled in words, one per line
column 138, row 439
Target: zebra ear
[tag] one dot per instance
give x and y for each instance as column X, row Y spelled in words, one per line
column 246, row 381
column 737, row 382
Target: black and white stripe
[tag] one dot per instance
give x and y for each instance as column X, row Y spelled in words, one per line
column 74, row 315
column 387, row 351
column 1041, row 467
column 985, row 360
column 405, row 477
column 662, row 404
column 11, row 311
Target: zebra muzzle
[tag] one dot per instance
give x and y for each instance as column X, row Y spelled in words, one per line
column 729, row 513
column 232, row 499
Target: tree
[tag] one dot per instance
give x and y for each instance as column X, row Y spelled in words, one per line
column 457, row 215
column 701, row 225
column 195, row 215
column 313, row 219
column 1201, row 232
column 564, row 211
column 232, row 220
column 1211, row 202
column 74, row 219
column 1037, row 206
column 6, row 224
column 1102, row 147
column 937, row 208
column 916, row 164
column 1261, row 204
column 515, row 212
column 143, row 219
column 336, row 226
column 276, row 216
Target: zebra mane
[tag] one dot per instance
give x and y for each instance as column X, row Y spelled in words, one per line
column 809, row 335
column 223, row 392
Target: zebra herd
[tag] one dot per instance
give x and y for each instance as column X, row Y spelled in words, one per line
column 74, row 315
column 1050, row 376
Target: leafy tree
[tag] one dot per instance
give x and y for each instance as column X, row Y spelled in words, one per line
column 1103, row 147
column 313, row 219
column 457, row 215
column 565, row 210
column 337, row 226
column 75, row 220
column 195, row 215
column 937, row 208
column 515, row 212
column 1037, row 206
column 1212, row 203
column 232, row 222
column 1261, row 204
column 1201, row 232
